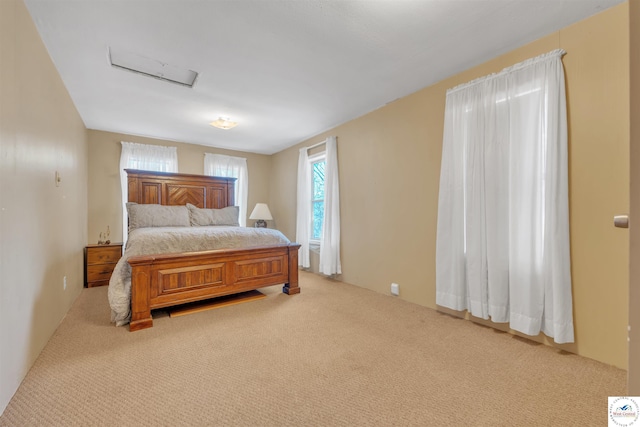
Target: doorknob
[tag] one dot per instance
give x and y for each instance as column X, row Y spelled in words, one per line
column 621, row 221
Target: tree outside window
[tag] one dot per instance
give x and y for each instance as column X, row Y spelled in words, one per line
column 317, row 198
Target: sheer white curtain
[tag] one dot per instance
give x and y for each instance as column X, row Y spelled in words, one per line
column 330, row 243
column 502, row 249
column 143, row 157
column 303, row 208
column 232, row 167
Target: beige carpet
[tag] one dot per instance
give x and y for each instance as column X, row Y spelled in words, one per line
column 333, row 355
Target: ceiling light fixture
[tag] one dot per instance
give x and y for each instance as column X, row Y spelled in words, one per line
column 224, row 123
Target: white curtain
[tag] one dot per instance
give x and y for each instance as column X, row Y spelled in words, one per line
column 143, row 157
column 330, row 243
column 502, row 249
column 303, row 208
column 231, row 167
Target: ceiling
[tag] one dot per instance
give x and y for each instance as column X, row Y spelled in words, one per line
column 286, row 70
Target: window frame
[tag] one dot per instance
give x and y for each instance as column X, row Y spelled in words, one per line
column 315, row 158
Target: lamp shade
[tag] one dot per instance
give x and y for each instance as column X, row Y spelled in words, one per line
column 261, row 211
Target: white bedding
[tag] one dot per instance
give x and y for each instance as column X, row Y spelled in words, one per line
column 161, row 240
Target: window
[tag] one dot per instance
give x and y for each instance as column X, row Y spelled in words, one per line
column 150, row 164
column 317, row 196
column 233, row 167
column 144, row 157
column 502, row 246
column 318, row 207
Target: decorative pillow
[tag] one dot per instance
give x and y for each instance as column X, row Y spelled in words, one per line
column 224, row 216
column 142, row 215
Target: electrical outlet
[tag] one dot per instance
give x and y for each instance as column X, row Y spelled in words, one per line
column 395, row 289
column 64, row 283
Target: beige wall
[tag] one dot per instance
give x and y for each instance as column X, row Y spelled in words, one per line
column 597, row 69
column 43, row 228
column 104, row 177
column 389, row 165
column 634, row 256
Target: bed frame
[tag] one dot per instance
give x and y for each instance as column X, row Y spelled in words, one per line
column 166, row 280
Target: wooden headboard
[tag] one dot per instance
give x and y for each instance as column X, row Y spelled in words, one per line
column 165, row 188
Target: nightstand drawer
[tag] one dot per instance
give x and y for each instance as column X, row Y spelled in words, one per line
column 99, row 272
column 107, row 254
column 98, row 283
column 100, row 260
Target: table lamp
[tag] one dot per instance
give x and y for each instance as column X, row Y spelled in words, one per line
column 261, row 213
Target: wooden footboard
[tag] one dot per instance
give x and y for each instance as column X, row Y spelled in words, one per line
column 170, row 279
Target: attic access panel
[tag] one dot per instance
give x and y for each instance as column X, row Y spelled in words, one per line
column 151, row 68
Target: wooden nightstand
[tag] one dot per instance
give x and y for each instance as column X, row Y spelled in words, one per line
column 99, row 262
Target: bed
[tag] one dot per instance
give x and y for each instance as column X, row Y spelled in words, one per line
column 167, row 279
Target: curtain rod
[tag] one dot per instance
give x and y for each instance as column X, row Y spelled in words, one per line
column 317, row 145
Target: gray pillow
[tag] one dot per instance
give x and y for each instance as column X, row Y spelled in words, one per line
column 224, row 216
column 142, row 215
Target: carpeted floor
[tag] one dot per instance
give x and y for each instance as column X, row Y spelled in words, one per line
column 334, row 355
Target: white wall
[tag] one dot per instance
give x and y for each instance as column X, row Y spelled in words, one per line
column 43, row 227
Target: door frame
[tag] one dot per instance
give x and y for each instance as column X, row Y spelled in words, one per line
column 634, row 199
